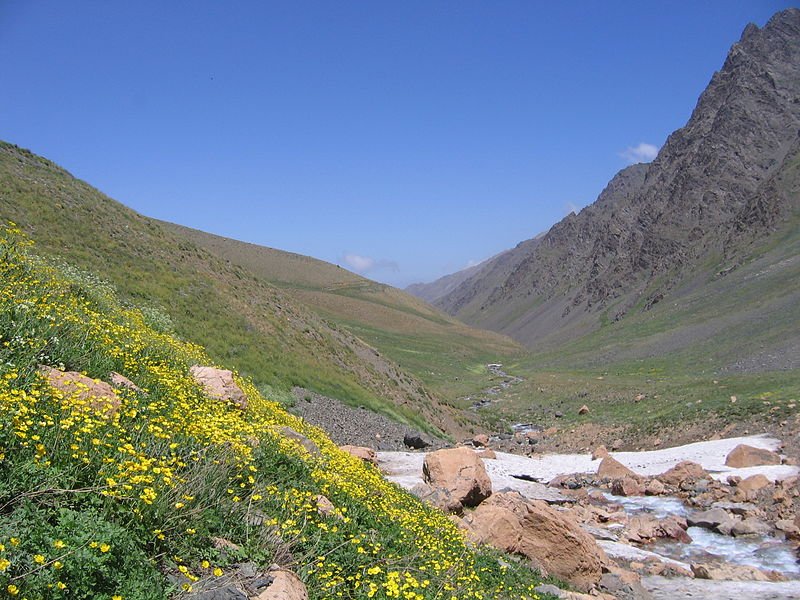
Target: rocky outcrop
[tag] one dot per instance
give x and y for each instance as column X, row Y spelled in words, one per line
column 459, row 472
column 531, row 528
column 219, row 384
column 748, row 456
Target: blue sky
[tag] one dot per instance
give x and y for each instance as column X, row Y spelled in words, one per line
column 404, row 140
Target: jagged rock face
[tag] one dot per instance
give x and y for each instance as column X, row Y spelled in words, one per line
column 715, row 184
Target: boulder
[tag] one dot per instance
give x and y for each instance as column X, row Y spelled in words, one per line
column 304, row 441
column 415, row 440
column 654, row 488
column 611, row 468
column 685, row 471
column 362, row 452
column 488, row 454
column 583, row 410
column 627, row 486
column 284, row 585
column 437, row 497
column 219, row 384
column 623, row 585
column 459, row 471
column 734, row 573
column 324, row 506
column 645, row 528
column 121, row 381
column 481, row 440
column 599, row 452
column 531, row 528
column 84, row 392
column 710, row 519
column 753, row 483
column 747, row 456
column 750, row 526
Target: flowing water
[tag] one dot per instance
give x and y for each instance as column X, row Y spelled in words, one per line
column 762, row 552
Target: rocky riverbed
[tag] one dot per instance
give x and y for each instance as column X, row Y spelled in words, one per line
column 680, row 520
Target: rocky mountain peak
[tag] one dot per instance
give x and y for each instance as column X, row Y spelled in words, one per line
column 654, row 224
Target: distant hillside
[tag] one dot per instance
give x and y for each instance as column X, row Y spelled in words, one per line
column 431, row 292
column 440, row 350
column 713, row 218
column 236, row 313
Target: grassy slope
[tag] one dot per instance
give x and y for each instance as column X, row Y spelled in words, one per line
column 238, row 316
column 445, row 354
column 128, row 498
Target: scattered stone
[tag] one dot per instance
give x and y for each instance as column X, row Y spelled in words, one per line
column 750, row 526
column 639, row 397
column 710, row 519
column 488, row 454
column 611, row 468
column 583, row 410
column 645, row 528
column 599, row 452
column 533, row 529
column 219, row 384
column 747, row 456
column 95, row 395
column 617, row 444
column 362, row 452
column 459, row 471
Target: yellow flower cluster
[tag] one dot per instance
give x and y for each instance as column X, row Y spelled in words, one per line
column 142, row 452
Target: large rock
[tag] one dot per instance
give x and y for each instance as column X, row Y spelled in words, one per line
column 734, row 573
column 683, row 472
column 611, row 468
column 437, row 497
column 285, row 585
column 747, row 456
column 84, row 392
column 415, row 440
column 362, row 452
column 753, row 483
column 219, row 384
column 531, row 528
column 627, row 486
column 645, row 528
column 460, row 472
column 710, row 519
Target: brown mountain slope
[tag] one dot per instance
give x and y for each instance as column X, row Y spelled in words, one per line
column 719, row 189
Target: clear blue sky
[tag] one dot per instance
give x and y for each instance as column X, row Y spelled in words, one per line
column 402, row 138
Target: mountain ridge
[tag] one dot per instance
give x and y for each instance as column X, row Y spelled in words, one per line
column 719, row 187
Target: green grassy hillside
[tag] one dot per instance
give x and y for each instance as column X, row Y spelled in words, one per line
column 236, row 314
column 157, row 491
column 447, row 355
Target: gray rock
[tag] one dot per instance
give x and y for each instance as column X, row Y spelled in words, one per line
column 710, row 519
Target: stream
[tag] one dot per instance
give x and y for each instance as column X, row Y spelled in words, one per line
column 489, row 395
column 762, row 552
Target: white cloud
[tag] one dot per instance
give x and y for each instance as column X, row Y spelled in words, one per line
column 641, row 153
column 367, row 264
